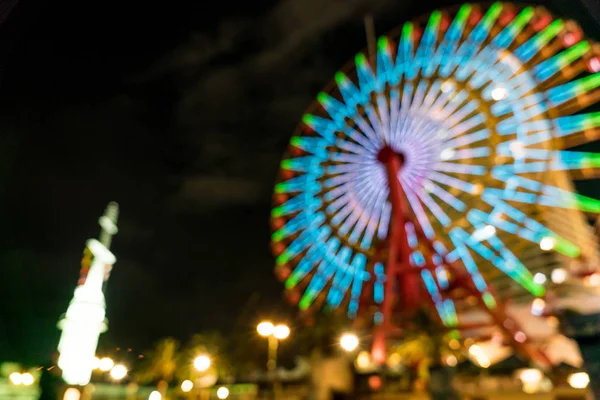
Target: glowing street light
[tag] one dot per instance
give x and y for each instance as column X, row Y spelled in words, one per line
column 187, row 386
column 281, row 332
column 222, row 393
column 202, row 363
column 72, row 394
column 579, row 380
column 106, row 364
column 16, row 378
column 27, row 379
column 118, row 372
column 274, row 333
column 155, row 395
column 349, row 342
column 265, row 328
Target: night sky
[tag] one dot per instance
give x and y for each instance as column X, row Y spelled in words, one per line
column 180, row 113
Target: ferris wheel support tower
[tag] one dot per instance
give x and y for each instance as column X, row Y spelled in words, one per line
column 85, row 318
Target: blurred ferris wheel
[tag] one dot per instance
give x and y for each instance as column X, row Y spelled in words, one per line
column 418, row 176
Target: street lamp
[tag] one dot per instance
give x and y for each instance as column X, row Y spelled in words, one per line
column 187, row 386
column 274, row 333
column 202, row 363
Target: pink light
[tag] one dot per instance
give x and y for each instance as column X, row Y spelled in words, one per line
column 520, row 337
column 594, row 64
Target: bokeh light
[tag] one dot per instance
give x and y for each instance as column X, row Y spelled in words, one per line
column 202, row 363
column 265, row 328
column 281, row 331
column 222, row 393
column 349, row 341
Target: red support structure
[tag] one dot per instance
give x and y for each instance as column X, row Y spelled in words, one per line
column 398, row 276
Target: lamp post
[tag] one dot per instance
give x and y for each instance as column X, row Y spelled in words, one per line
column 273, row 333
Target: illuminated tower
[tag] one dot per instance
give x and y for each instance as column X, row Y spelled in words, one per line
column 85, row 319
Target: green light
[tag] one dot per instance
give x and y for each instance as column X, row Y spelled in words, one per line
column 360, row 59
column 565, row 247
column 489, row 300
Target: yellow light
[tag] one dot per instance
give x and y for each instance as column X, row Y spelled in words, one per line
column 363, row 360
column 454, row 344
column 155, row 395
column 281, row 331
column 106, row 364
column 202, row 363
column 547, row 243
column 72, row 394
column 118, row 372
column 579, row 380
column 186, row 386
column 27, row 379
column 95, row 363
column 480, row 356
column 394, row 360
column 451, row 361
column 265, row 328
column 349, row 342
column 16, row 378
column 222, row 393
column 593, row 280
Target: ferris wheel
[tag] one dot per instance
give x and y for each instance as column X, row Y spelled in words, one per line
column 417, row 172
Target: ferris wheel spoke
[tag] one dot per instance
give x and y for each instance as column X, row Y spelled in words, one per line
column 470, row 169
column 385, row 64
column 376, row 124
column 435, row 209
column 350, row 147
column 466, row 126
column 341, row 278
column 467, row 154
column 384, row 117
column 468, row 139
column 384, row 222
column 533, row 46
column 448, row 198
column 360, row 276
column 404, row 60
column 368, row 131
column 335, row 108
column 571, row 90
column 427, row 45
column 473, row 44
column 310, row 259
column 415, row 204
column 348, row 90
column 405, row 105
column 453, row 182
column 552, row 66
column 451, row 39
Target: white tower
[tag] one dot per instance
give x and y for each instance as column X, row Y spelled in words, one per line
column 85, row 319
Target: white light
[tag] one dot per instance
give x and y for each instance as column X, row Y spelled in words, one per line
column 202, row 363
column 447, row 154
column 480, row 356
column 593, row 280
column 16, row 378
column 349, row 341
column 448, row 86
column 118, row 372
column 547, row 243
column 27, row 379
column 155, row 396
column 579, row 380
column 106, row 364
column 281, row 332
column 559, row 275
column 539, row 278
column 222, row 393
column 186, row 386
column 538, row 306
column 499, row 93
column 484, row 233
column 531, row 376
column 518, row 149
column 265, row 328
column 72, row 394
column 95, row 363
